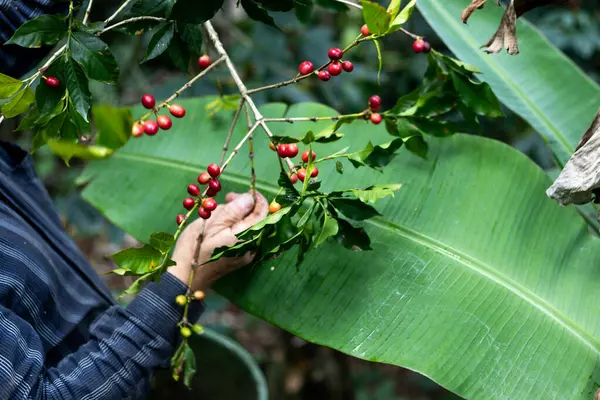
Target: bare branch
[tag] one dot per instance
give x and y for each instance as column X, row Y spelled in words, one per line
column 127, row 21
column 114, row 15
column 231, row 129
column 87, row 12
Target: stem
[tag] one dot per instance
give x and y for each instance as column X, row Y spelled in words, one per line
column 251, row 155
column 87, row 12
column 183, row 88
column 123, row 6
column 214, row 37
column 231, row 129
column 130, row 20
column 239, row 146
column 299, row 78
column 184, row 319
column 314, row 119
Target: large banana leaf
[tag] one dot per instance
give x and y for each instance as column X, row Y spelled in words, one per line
column 476, row 280
column 541, row 84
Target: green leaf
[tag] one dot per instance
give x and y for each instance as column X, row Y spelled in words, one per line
column 179, row 53
column 474, row 270
column 139, row 261
column 353, row 208
column 339, row 167
column 78, row 87
column 113, row 125
column 351, row 237
column 18, row 104
column 272, row 219
column 28, row 121
column 478, row 96
column 162, row 241
column 394, row 8
column 9, row 86
column 329, row 228
column 189, row 366
column 374, row 193
column 43, row 30
column 379, row 59
column 160, row 41
column 376, row 17
column 191, row 34
column 403, row 16
column 258, row 13
column 153, row 8
column 51, row 101
column 290, row 192
column 538, row 95
column 67, row 149
column 94, row 56
column 375, row 156
column 196, row 12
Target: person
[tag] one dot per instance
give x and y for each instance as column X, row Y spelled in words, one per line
column 62, row 334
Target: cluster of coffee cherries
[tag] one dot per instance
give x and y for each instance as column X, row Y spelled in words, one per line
column 291, row 151
column 207, row 203
column 421, row 46
column 150, row 127
column 374, row 106
column 182, row 300
column 334, row 67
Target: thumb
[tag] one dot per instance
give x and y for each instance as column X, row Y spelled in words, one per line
column 238, row 208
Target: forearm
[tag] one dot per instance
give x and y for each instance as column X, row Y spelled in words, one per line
column 126, row 346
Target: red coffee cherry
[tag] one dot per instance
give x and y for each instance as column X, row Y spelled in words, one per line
column 203, row 213
column 214, row 185
column 292, row 150
column 137, row 130
column 302, row 174
column 324, row 75
column 364, row 30
column 314, row 172
column 189, row 203
column 180, row 219
column 177, row 111
column 204, row 61
column 335, row 54
column 282, row 150
column 347, row 66
column 150, row 127
column 52, row 81
column 164, row 122
column 306, row 68
column 148, row 101
column 305, row 156
column 294, row 178
column 193, row 190
column 213, row 170
column 203, row 178
column 376, row 118
column 209, row 204
column 335, row 68
column 418, row 46
column 374, row 103
column 426, row 47
column 211, row 193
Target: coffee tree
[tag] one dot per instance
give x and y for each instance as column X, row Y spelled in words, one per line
column 323, row 224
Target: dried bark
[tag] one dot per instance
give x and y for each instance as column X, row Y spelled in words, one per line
column 506, row 35
column 579, row 181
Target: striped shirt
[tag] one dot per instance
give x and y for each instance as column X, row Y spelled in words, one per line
column 61, row 334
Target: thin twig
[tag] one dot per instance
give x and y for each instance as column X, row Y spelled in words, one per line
column 214, row 37
column 231, row 129
column 251, row 155
column 130, row 20
column 239, row 146
column 300, row 119
column 123, row 6
column 87, row 12
column 184, row 88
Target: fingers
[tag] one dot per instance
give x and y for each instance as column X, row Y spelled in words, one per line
column 232, row 196
column 259, row 212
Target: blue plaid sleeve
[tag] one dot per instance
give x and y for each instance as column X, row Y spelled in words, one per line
column 126, row 346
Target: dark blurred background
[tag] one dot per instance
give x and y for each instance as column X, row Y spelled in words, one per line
column 296, row 369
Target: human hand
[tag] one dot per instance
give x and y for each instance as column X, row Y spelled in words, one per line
column 238, row 214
